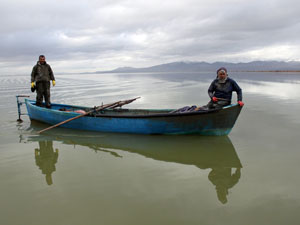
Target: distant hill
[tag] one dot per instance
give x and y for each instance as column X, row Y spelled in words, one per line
column 204, row 66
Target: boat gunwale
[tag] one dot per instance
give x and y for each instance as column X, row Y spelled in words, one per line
column 193, row 113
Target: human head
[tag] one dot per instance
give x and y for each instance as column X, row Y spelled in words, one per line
column 42, row 59
column 222, row 73
column 222, row 193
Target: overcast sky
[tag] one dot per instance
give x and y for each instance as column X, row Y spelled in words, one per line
column 89, row 35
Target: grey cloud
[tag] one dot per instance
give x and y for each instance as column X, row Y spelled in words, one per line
column 145, row 32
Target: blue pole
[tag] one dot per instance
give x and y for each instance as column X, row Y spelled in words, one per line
column 19, row 103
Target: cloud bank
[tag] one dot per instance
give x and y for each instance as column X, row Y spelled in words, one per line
column 89, row 35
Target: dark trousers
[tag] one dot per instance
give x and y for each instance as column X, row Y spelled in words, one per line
column 217, row 105
column 43, row 91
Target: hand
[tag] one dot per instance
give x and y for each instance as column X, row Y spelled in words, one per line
column 53, row 83
column 32, row 84
column 214, row 99
column 240, row 103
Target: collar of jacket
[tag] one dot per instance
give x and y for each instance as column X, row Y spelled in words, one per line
column 38, row 63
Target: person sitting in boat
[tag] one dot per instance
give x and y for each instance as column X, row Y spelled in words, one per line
column 220, row 90
column 40, row 79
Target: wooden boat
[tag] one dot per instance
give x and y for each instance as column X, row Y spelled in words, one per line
column 140, row 121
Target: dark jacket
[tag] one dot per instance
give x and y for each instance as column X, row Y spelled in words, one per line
column 224, row 90
column 42, row 72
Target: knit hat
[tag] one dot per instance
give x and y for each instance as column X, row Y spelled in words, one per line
column 222, row 68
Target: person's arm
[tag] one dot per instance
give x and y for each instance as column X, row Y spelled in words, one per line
column 211, row 90
column 33, row 74
column 51, row 73
column 238, row 90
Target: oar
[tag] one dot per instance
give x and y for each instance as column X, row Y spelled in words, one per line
column 111, row 105
column 121, row 103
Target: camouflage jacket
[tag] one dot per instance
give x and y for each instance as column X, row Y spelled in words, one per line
column 42, row 72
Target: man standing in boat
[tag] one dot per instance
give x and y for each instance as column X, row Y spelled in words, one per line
column 40, row 80
column 220, row 90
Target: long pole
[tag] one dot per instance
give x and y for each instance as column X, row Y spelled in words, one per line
column 111, row 105
column 76, row 117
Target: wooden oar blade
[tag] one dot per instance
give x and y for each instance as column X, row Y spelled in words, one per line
column 125, row 102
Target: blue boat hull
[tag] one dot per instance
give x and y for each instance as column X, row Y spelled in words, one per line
column 218, row 122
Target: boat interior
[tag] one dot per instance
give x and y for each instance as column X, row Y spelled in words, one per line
column 115, row 111
column 119, row 111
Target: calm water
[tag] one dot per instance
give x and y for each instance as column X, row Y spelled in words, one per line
column 75, row 177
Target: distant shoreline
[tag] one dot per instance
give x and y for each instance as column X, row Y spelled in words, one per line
column 235, row 71
column 272, row 71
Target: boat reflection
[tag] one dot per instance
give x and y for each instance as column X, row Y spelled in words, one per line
column 204, row 152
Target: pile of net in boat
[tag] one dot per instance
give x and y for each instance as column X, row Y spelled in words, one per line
column 192, row 108
column 80, row 111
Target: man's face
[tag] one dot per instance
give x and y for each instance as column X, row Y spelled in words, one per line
column 222, row 75
column 42, row 60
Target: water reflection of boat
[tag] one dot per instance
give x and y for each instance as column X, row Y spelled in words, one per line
column 215, row 153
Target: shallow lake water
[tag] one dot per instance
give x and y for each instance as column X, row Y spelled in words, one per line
column 73, row 177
